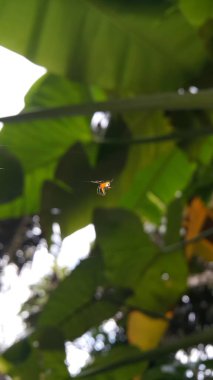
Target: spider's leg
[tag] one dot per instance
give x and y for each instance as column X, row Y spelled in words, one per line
column 101, row 191
column 96, row 181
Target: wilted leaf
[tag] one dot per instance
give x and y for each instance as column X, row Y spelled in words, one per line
column 198, row 219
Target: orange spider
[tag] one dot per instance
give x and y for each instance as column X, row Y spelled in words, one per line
column 103, row 186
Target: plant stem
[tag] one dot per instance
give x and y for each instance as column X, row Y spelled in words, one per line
column 186, row 135
column 204, row 337
column 164, row 101
column 180, row 244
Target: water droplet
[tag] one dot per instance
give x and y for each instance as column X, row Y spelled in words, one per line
column 165, row 276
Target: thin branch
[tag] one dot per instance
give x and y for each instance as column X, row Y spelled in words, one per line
column 165, row 101
column 204, row 337
column 138, row 140
column 181, row 244
column 186, row 135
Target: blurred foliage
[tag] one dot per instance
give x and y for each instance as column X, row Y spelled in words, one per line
column 144, row 258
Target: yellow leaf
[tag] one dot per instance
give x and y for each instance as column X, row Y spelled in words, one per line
column 198, row 218
column 143, row 331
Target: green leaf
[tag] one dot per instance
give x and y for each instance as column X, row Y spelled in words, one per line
column 18, row 352
column 197, row 12
column 130, row 50
column 77, row 200
column 29, row 368
column 73, row 293
column 126, row 249
column 174, row 221
column 205, row 150
column 142, row 125
column 46, row 140
column 74, row 308
column 41, row 364
column 159, row 182
column 132, row 261
column 89, row 316
column 39, row 144
column 54, row 365
column 164, row 281
column 29, row 202
column 11, row 176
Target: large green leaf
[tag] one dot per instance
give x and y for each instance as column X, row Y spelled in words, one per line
column 164, row 281
column 131, row 260
column 73, row 194
column 39, row 144
column 75, row 306
column 120, row 162
column 127, row 250
column 77, row 290
column 44, row 141
column 41, row 364
column 72, row 309
column 29, row 202
column 100, row 43
column 196, row 12
column 141, row 156
column 159, row 182
column 142, row 125
column 89, row 316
